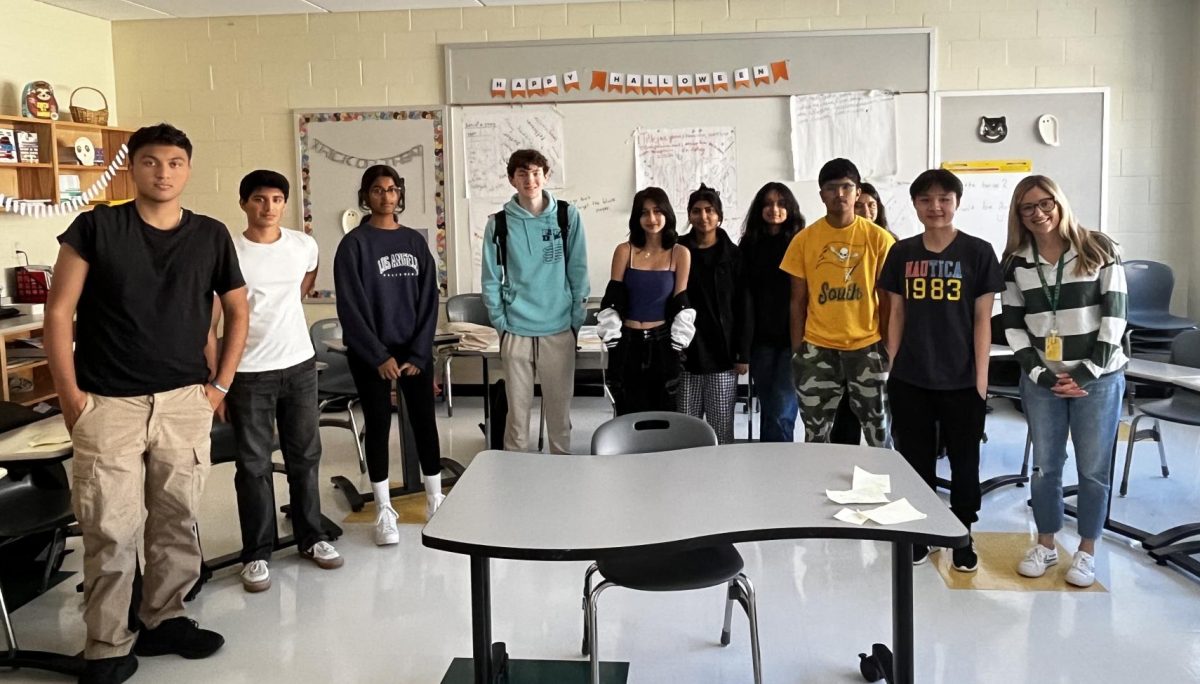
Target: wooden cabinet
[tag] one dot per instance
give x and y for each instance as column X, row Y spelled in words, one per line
column 56, row 158
column 35, row 384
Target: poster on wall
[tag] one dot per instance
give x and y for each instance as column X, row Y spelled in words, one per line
column 678, row 160
column 492, row 134
column 336, row 147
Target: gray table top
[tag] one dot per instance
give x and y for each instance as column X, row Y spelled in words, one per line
column 1160, row 372
column 548, row 507
column 49, row 435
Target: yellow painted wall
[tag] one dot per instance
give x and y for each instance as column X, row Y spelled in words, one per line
column 67, row 49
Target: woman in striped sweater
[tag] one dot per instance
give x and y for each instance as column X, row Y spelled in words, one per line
column 1064, row 316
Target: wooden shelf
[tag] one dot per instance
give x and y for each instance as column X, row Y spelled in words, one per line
column 81, row 167
column 37, row 396
column 27, row 165
column 26, row 364
column 55, row 138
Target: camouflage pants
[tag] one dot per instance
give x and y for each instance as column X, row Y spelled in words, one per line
column 820, row 375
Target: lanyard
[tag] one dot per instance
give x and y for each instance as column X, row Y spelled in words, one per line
column 1053, row 299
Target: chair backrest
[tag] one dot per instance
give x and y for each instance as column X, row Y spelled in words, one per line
column 336, row 378
column 651, row 431
column 998, row 336
column 1150, row 284
column 1185, row 349
column 467, row 308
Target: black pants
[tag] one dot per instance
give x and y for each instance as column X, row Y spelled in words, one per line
column 643, row 370
column 257, row 402
column 375, row 393
column 846, row 428
column 917, row 416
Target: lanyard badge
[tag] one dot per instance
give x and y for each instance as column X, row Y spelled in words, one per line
column 1054, row 343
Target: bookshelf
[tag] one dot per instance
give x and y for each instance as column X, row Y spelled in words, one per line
column 56, row 157
column 38, row 384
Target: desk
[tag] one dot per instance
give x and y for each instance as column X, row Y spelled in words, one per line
column 561, row 508
column 15, row 448
column 409, row 463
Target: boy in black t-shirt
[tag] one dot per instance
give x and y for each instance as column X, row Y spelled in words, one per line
column 138, row 396
column 942, row 285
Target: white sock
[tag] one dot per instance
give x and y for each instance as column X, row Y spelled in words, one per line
column 433, row 485
column 382, row 498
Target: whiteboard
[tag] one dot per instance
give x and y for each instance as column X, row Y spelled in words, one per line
column 599, row 143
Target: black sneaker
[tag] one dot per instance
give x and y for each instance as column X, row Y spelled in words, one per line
column 109, row 670
column 920, row 554
column 180, row 636
column 965, row 559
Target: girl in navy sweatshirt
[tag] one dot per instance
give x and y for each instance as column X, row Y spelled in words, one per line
column 387, row 302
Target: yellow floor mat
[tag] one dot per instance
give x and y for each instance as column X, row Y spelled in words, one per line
column 410, row 507
column 999, row 553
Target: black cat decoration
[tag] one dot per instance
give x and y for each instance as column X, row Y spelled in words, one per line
column 993, row 129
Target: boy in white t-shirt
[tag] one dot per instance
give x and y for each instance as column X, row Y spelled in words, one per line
column 276, row 383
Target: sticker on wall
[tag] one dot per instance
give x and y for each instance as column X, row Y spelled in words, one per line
column 1048, row 129
column 993, row 128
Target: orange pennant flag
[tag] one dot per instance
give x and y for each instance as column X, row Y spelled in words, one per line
column 570, row 81
column 599, row 80
column 550, row 84
column 535, row 86
column 741, row 78
column 633, row 84
column 666, row 84
column 779, row 70
column 704, row 83
column 685, row 83
column 720, row 81
column 499, row 87
column 518, row 87
column 616, row 82
column 761, row 75
column 650, row 84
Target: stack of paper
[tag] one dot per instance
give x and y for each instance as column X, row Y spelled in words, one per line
column 868, row 488
column 892, row 514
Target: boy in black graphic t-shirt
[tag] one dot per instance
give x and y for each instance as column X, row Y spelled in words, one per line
column 942, row 285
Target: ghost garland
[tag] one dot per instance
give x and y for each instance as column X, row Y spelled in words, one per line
column 75, row 204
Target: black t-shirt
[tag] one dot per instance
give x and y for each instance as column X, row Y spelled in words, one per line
column 144, row 314
column 937, row 350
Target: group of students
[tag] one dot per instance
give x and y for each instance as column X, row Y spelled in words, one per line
column 818, row 314
column 839, row 322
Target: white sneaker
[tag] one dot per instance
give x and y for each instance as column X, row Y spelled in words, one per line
column 1037, row 559
column 324, row 555
column 432, row 503
column 385, row 527
column 1083, row 570
column 256, row 577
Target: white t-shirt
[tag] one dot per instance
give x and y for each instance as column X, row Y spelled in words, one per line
column 278, row 335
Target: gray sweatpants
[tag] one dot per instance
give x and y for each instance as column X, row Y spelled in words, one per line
column 549, row 360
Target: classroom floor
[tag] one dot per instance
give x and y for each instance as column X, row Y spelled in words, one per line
column 401, row 613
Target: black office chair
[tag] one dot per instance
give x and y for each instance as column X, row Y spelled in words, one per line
column 335, row 385
column 1004, row 380
column 1183, row 406
column 694, row 569
column 34, row 501
column 463, row 308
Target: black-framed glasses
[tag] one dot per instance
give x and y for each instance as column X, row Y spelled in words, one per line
column 378, row 191
column 1046, row 205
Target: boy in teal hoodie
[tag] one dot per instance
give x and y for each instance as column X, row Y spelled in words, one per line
column 535, row 288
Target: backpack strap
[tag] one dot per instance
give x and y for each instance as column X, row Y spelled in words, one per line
column 564, row 230
column 500, row 239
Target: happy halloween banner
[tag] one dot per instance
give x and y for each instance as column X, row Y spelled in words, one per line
column 643, row 84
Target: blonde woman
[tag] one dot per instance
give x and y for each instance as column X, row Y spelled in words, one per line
column 1064, row 315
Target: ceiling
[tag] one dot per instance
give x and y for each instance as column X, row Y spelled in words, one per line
column 121, row 10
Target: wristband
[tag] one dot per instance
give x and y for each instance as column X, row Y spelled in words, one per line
column 222, row 390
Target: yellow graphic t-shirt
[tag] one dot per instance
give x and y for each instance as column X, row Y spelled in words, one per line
column 842, row 267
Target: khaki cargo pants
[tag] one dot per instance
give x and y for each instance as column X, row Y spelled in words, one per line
column 138, row 461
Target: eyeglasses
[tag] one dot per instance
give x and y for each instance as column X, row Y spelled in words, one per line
column 390, row 190
column 1046, row 205
column 838, row 188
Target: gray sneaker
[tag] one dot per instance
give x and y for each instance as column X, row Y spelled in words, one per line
column 1037, row 559
column 256, row 577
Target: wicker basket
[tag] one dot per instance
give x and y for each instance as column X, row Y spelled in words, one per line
column 97, row 117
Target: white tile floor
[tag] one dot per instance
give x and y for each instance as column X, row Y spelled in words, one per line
column 400, row 614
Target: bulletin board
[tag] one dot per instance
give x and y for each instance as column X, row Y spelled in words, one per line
column 335, row 147
column 1078, row 163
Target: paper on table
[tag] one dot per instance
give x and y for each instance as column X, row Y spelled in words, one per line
column 892, row 514
column 864, row 480
column 857, row 496
column 50, row 437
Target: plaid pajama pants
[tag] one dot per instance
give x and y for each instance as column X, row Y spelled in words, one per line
column 710, row 396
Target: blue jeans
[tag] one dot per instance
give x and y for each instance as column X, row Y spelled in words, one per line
column 1092, row 422
column 771, row 369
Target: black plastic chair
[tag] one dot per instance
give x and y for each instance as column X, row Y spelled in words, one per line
column 1004, row 380
column 463, row 308
column 335, row 385
column 1183, row 406
column 701, row 568
column 1150, row 284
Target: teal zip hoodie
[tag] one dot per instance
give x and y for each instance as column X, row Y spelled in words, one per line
column 538, row 296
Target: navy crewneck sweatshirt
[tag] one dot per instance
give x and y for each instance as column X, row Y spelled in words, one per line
column 387, row 295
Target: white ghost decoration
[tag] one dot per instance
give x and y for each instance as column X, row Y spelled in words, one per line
column 85, row 152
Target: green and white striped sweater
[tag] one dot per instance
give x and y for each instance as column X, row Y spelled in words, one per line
column 1090, row 320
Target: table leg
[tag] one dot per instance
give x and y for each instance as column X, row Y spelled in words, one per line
column 902, row 613
column 481, row 618
column 487, row 407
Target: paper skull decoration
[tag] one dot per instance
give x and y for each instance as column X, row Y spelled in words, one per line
column 85, row 152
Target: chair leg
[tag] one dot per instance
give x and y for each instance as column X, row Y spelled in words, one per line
column 587, row 590
column 1162, row 454
column 1025, row 462
column 542, row 425
column 731, row 595
column 749, row 604
column 1129, row 453
column 8, row 630
column 362, row 456
column 448, row 388
column 594, row 656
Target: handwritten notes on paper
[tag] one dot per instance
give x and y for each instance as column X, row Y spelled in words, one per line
column 491, row 135
column 983, row 211
column 678, row 160
column 868, row 488
column 860, row 126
